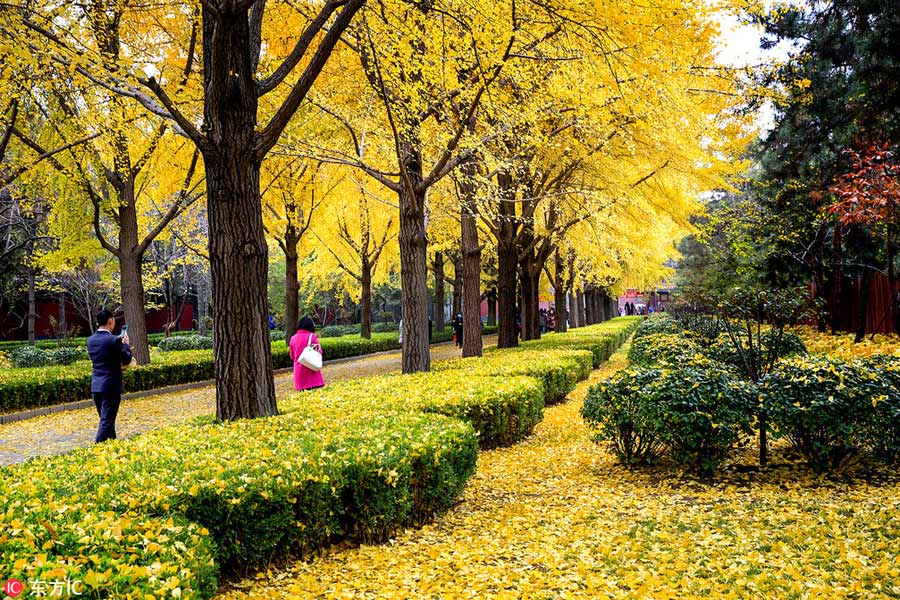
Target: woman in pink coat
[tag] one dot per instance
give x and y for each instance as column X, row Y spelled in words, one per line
column 304, row 379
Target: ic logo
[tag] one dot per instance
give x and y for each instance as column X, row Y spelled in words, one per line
column 13, row 588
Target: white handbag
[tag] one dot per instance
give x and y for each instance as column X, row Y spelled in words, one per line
column 311, row 357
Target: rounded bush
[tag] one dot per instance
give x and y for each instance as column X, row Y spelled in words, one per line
column 697, row 413
column 657, row 323
column 186, row 342
column 724, row 351
column 882, row 431
column 616, row 410
column 656, row 348
column 276, row 335
column 822, row 405
column 66, row 356
column 29, row 356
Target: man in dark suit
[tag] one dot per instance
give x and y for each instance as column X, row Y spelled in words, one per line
column 109, row 353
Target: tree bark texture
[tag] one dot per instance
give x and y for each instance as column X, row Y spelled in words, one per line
column 291, row 283
column 559, row 293
column 471, row 264
column 237, row 247
column 365, row 307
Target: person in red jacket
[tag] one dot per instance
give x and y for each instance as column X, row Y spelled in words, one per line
column 304, row 378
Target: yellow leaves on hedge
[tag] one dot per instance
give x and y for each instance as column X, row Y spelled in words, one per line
column 842, row 345
column 556, row 517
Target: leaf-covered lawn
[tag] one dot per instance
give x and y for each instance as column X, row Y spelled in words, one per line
column 556, row 517
column 61, row 432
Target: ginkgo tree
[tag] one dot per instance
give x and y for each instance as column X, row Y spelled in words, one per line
column 235, row 111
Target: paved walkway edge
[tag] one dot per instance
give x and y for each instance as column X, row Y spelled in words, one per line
column 82, row 404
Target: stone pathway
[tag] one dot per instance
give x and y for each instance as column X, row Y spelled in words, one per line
column 64, row 431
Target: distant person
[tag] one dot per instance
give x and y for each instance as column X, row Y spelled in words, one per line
column 271, row 322
column 109, row 353
column 304, row 377
column 458, row 330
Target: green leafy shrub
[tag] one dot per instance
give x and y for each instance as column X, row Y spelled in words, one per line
column 657, row 323
column 186, row 342
column 276, row 335
column 822, row 406
column 26, row 357
column 558, row 370
column 66, row 355
column 723, row 350
column 656, row 348
column 616, row 411
column 882, row 432
column 695, row 412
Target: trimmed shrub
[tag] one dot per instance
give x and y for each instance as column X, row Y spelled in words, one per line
column 822, row 405
column 616, row 411
column 66, row 355
column 724, row 352
column 276, row 335
column 26, row 357
column 655, row 348
column 186, row 342
column 696, row 412
column 558, row 370
column 657, row 323
column 111, row 555
column 502, row 411
column 882, row 432
column 267, row 486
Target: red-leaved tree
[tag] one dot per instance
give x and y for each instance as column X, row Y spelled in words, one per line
column 869, row 194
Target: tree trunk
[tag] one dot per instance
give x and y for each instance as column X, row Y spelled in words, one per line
column 237, row 246
column 579, row 308
column 863, row 314
column 365, row 307
column 456, row 303
column 507, row 259
column 471, row 264
column 437, row 266
column 529, row 309
column 291, row 284
column 559, row 293
column 32, row 308
column 133, row 305
column 573, row 311
column 202, row 304
column 589, row 317
column 62, row 324
column 413, row 271
column 836, row 278
column 893, row 312
column 492, row 307
column 507, row 336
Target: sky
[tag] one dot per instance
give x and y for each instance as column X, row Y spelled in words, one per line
column 739, row 46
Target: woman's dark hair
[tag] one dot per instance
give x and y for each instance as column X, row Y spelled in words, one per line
column 306, row 324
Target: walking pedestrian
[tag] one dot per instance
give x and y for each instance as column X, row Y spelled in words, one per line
column 458, row 330
column 109, row 353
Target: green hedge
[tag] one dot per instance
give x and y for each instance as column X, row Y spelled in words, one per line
column 173, row 508
column 559, row 370
column 23, row 389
